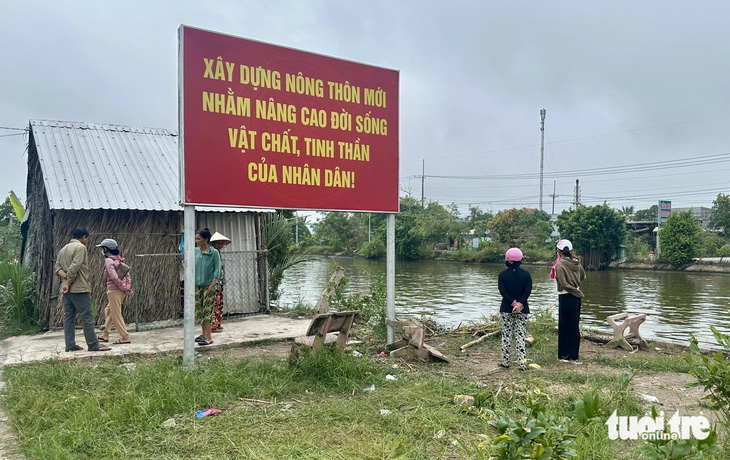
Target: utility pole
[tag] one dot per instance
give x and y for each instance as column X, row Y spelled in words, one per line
column 423, row 181
column 542, row 148
column 553, row 197
column 576, row 203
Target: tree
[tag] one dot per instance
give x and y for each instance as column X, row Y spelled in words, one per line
column 710, row 244
column 720, row 217
column 647, row 215
column 627, row 211
column 436, row 224
column 597, row 231
column 679, row 238
column 11, row 212
column 478, row 220
column 340, row 231
column 520, row 227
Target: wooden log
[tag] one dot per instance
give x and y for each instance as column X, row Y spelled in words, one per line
column 323, row 304
column 600, row 338
column 485, row 336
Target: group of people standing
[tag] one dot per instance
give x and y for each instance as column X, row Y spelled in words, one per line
column 73, row 268
column 515, row 286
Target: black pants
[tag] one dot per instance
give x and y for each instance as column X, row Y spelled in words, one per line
column 568, row 331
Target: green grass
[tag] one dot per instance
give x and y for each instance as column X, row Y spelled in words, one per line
column 313, row 407
column 669, row 363
column 316, row 409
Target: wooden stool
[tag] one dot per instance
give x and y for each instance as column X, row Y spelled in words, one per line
column 632, row 322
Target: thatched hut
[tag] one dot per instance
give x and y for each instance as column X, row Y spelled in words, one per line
column 122, row 182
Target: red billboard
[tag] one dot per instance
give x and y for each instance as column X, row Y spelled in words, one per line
column 267, row 126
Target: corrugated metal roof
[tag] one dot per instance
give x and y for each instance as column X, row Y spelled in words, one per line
column 102, row 166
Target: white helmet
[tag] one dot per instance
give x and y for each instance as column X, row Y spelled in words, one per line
column 562, row 244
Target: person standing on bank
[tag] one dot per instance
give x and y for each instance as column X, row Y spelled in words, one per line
column 218, row 241
column 116, row 290
column 72, row 266
column 207, row 272
column 515, row 285
column 568, row 274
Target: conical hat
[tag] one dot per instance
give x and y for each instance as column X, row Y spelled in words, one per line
column 218, row 237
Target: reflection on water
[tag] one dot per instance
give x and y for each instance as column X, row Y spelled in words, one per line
column 453, row 293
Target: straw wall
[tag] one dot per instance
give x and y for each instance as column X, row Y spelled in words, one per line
column 149, row 241
column 38, row 234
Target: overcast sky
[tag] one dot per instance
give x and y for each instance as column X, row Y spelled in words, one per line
column 636, row 93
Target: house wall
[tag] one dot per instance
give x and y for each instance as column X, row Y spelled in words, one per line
column 38, row 234
column 149, row 241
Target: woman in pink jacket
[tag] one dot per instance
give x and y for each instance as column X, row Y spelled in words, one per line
column 116, row 290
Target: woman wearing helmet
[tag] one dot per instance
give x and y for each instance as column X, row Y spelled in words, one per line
column 116, row 289
column 568, row 274
column 515, row 285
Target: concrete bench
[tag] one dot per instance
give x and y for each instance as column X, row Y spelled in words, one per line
column 629, row 321
column 327, row 328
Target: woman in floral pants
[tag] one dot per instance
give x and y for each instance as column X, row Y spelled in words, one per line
column 219, row 241
column 515, row 285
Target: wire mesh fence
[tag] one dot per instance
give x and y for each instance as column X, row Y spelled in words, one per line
column 245, row 288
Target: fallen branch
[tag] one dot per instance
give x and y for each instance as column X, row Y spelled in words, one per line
column 599, row 338
column 256, row 402
column 474, row 342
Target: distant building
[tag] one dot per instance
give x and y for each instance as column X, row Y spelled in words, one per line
column 700, row 214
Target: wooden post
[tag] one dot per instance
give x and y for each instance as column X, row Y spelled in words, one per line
column 323, row 304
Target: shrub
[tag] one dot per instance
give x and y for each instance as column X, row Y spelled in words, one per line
column 17, row 297
column 679, row 238
column 712, row 373
column 373, row 249
column 724, row 251
column 372, row 306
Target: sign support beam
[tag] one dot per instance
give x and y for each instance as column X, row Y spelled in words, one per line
column 189, row 292
column 390, row 276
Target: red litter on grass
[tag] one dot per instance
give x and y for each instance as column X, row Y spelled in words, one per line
column 207, row 412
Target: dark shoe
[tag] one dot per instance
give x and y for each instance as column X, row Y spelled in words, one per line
column 205, row 341
column 506, row 366
column 101, row 348
column 74, row 348
column 200, row 338
column 101, row 339
column 119, row 342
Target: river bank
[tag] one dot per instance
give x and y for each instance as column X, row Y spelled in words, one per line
column 699, row 266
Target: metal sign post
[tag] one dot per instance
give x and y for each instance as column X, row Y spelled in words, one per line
column 189, row 295
column 390, row 276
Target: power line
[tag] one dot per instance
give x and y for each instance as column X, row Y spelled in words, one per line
column 591, row 136
column 630, row 168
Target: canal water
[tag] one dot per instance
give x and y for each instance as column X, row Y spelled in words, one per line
column 453, row 293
